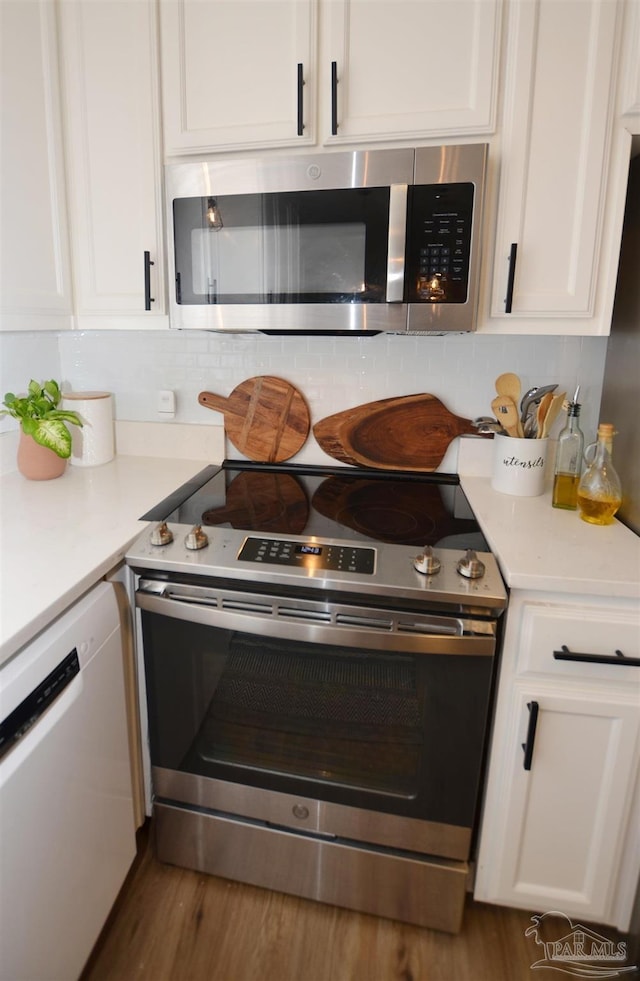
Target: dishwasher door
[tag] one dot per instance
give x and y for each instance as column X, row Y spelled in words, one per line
column 66, row 810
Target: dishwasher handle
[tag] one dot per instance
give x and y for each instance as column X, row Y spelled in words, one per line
column 25, row 715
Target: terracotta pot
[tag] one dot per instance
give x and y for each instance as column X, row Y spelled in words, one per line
column 38, row 462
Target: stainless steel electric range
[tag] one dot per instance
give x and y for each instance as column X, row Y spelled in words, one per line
column 319, row 651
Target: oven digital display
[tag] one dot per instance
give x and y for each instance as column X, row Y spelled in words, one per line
column 308, row 550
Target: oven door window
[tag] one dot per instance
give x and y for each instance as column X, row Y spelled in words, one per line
column 400, row 732
column 327, row 246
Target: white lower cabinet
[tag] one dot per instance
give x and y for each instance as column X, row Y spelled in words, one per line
column 560, row 823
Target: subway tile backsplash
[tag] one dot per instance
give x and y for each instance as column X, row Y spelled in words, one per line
column 334, row 373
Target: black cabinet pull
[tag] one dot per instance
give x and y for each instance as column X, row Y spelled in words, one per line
column 334, row 98
column 508, row 303
column 531, row 734
column 300, row 100
column 148, row 299
column 564, row 654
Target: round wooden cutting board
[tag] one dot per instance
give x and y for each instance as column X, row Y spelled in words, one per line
column 266, row 418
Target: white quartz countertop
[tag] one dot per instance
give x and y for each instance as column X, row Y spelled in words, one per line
column 58, row 537
column 540, row 547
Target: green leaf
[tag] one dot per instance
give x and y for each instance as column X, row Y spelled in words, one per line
column 34, row 388
column 67, row 415
column 52, row 389
column 29, row 425
column 54, row 434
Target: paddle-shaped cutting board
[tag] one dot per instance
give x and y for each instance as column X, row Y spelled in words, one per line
column 266, row 418
column 410, row 432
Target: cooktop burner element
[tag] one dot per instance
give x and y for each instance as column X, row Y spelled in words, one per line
column 365, row 505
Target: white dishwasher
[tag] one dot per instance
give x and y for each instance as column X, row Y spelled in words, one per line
column 67, row 835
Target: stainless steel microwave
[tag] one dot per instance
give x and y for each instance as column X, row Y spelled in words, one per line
column 348, row 242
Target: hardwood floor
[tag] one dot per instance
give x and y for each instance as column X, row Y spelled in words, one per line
column 173, row 924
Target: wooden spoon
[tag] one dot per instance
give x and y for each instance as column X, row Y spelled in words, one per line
column 552, row 412
column 509, row 384
column 506, row 413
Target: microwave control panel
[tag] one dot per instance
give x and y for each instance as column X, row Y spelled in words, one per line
column 439, row 243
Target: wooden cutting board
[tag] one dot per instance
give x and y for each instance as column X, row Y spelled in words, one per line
column 266, row 418
column 410, row 432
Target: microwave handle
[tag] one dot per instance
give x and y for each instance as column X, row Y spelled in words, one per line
column 397, row 239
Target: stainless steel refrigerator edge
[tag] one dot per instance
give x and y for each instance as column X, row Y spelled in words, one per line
column 621, row 385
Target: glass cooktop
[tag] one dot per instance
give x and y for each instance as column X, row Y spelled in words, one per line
column 400, row 508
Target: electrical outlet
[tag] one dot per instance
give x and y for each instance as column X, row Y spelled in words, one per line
column 167, row 402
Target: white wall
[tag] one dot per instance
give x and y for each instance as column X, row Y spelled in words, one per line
column 333, row 373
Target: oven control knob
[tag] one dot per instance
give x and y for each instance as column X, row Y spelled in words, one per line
column 196, row 538
column 470, row 566
column 427, row 563
column 162, row 534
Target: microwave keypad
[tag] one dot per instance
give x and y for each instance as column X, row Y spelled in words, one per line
column 439, row 243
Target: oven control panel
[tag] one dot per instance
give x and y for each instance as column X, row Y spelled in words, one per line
column 309, row 555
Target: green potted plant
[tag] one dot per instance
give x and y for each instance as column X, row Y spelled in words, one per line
column 41, row 423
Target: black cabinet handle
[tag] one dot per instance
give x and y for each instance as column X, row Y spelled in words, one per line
column 531, row 734
column 334, row 98
column 508, row 303
column 148, row 299
column 300, row 100
column 564, row 654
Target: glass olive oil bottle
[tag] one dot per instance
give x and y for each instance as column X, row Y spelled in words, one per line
column 599, row 491
column 568, row 465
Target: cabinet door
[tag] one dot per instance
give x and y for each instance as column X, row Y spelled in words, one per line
column 410, row 69
column 630, row 68
column 230, row 73
column 110, row 65
column 558, row 109
column 34, row 252
column 555, row 836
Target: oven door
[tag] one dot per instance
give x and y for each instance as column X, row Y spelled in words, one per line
column 331, row 718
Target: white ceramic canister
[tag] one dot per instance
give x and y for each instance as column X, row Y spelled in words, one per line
column 94, row 443
column 519, row 465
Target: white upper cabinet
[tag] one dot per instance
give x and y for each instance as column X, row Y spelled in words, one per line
column 109, row 57
column 555, row 164
column 409, row 68
column 237, row 75
column 269, row 73
column 34, row 255
column 630, row 80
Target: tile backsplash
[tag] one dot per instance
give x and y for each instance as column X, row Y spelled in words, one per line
column 333, row 373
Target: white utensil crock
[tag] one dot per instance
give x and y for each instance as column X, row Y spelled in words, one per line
column 519, row 465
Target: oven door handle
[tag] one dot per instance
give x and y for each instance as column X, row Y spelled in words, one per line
column 317, row 623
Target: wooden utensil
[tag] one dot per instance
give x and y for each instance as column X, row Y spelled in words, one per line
column 552, row 412
column 506, row 412
column 266, row 418
column 509, row 384
column 541, row 413
column 410, row 432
